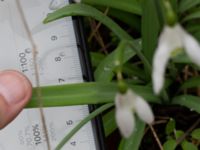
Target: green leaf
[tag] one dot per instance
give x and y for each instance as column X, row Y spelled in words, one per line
column 150, row 28
column 197, row 35
column 109, row 122
column 104, row 72
column 82, row 123
column 86, row 10
column 192, row 28
column 133, row 142
column 84, row 94
column 174, row 4
column 187, row 4
column 131, row 6
column 134, row 22
column 189, row 101
column 181, row 58
column 191, row 83
column 75, row 94
column 193, row 15
column 179, row 133
column 96, row 58
column 132, row 71
column 169, row 145
column 196, row 134
column 119, row 54
column 170, row 127
column 188, row 146
column 145, row 61
column 146, row 92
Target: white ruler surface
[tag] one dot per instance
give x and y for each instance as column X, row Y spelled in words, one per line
column 59, row 63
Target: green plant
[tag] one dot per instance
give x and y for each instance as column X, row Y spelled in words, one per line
column 130, row 64
column 174, row 137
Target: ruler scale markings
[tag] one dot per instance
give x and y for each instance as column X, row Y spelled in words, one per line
column 66, row 43
column 36, row 70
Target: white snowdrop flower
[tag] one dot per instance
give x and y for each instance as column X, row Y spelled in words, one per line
column 170, row 39
column 126, row 104
column 56, row 4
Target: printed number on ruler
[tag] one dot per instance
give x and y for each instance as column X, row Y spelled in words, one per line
column 59, row 63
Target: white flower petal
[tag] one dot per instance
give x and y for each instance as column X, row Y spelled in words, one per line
column 168, row 41
column 143, row 110
column 160, row 60
column 125, row 101
column 56, row 4
column 192, row 48
column 125, row 121
column 172, row 37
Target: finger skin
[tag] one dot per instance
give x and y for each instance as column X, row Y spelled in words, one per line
column 9, row 110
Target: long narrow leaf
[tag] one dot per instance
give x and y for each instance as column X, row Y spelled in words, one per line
column 197, row 35
column 82, row 123
column 187, row 4
column 134, row 22
column 85, row 93
column 75, row 94
column 109, row 122
column 150, row 28
column 133, row 142
column 86, row 10
column 96, row 58
column 131, row 6
column 194, row 15
column 192, row 28
column 174, row 4
column 191, row 83
column 132, row 71
column 189, row 101
column 182, row 59
column 104, row 71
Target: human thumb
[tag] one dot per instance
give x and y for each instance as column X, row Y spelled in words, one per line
column 15, row 91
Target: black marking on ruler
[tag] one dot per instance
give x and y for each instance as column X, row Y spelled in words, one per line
column 34, row 53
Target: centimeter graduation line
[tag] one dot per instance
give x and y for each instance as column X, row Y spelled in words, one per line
column 76, row 67
column 89, row 134
column 37, row 79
